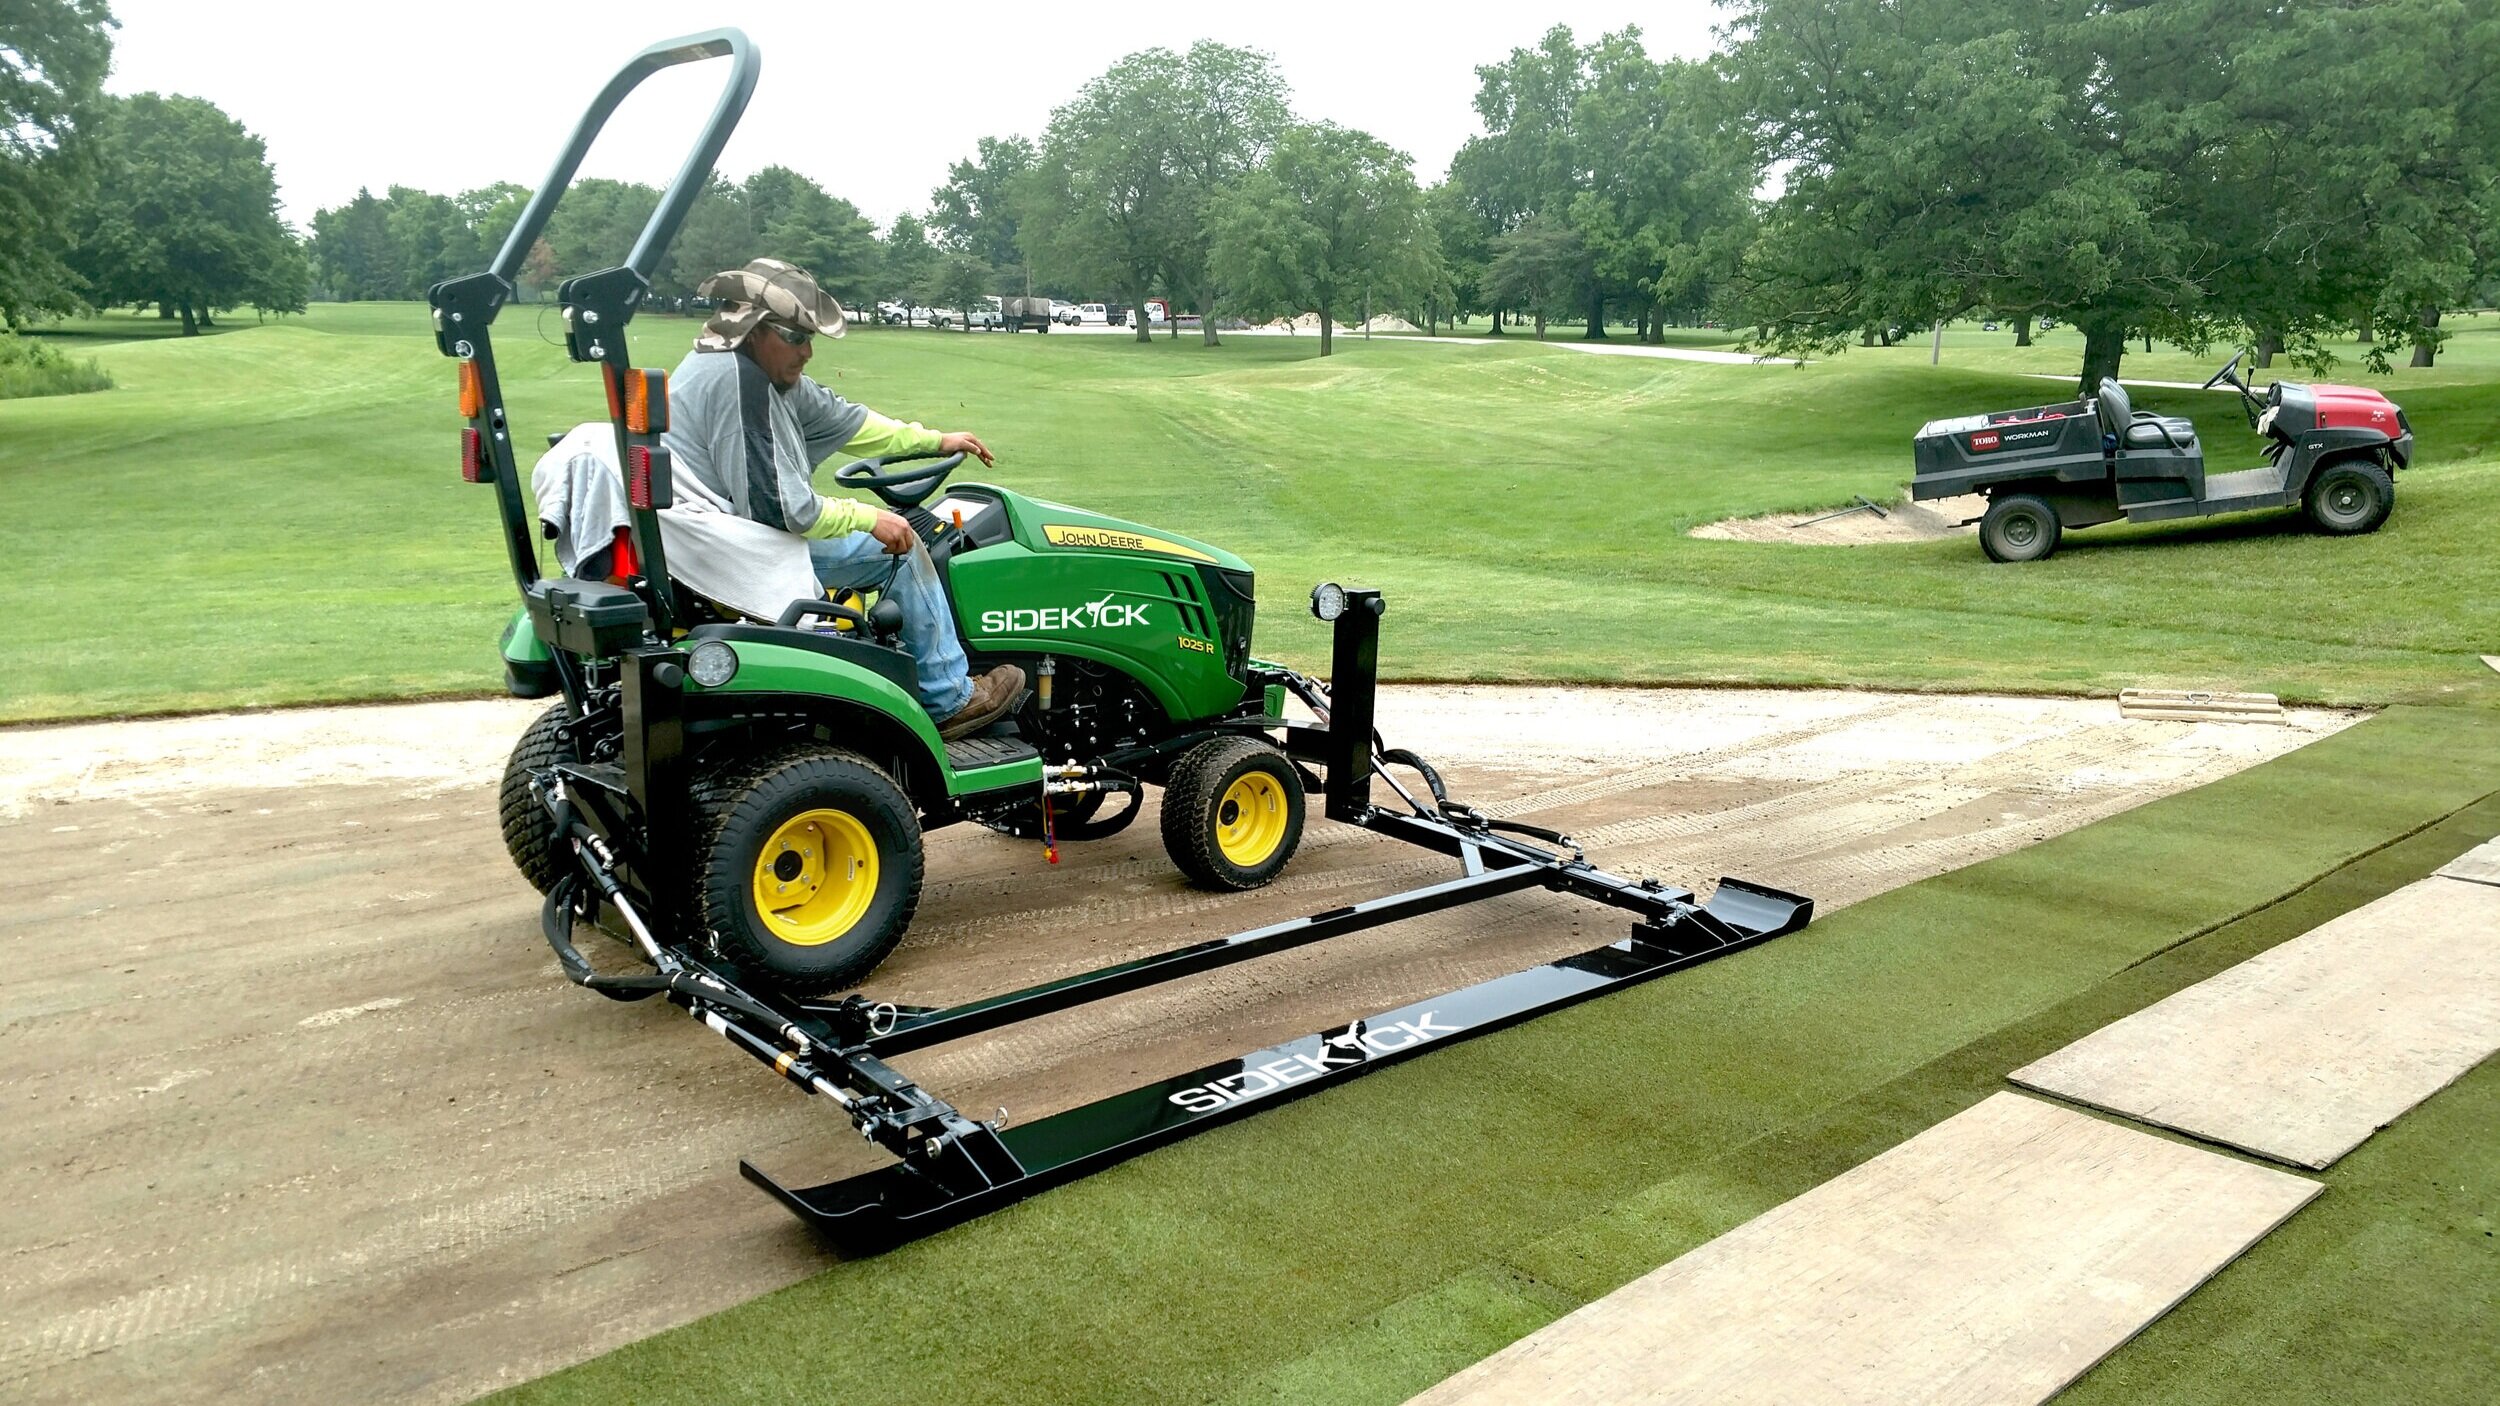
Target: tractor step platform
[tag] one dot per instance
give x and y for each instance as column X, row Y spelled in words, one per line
column 973, row 753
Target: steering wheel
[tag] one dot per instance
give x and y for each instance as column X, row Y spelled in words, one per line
column 2223, row 376
column 906, row 489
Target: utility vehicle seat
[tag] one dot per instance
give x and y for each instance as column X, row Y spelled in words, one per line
column 2141, row 429
column 2150, row 431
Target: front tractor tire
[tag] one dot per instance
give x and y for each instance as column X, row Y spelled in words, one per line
column 529, row 832
column 1232, row 813
column 810, row 867
column 2019, row 527
column 2351, row 498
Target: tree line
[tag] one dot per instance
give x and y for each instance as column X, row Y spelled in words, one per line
column 2286, row 172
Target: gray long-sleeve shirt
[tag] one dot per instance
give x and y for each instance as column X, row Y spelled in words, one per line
column 747, row 447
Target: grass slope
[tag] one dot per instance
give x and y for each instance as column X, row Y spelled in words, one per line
column 272, row 515
column 1360, row 1244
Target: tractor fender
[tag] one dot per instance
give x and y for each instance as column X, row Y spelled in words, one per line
column 854, row 707
column 529, row 668
column 748, row 722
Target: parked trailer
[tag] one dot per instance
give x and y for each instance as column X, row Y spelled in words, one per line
column 1024, row 314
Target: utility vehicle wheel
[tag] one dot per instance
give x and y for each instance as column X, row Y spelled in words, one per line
column 1232, row 813
column 2351, row 497
column 2018, row 527
column 529, row 832
column 810, row 867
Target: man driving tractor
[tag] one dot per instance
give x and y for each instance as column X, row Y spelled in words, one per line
column 747, row 428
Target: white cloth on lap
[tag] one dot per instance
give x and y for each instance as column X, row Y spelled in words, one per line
column 729, row 560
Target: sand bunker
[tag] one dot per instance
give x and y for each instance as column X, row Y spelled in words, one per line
column 1902, row 521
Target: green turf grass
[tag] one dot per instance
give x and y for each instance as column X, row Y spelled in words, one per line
column 1361, row 1243
column 273, row 515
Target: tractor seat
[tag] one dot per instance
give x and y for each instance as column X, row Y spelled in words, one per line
column 2150, row 431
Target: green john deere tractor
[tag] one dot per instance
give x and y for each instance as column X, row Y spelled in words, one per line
column 809, row 771
column 766, row 783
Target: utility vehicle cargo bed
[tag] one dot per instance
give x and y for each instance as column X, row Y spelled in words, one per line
column 1960, row 455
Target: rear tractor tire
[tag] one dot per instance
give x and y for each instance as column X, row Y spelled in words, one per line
column 529, row 832
column 1232, row 813
column 2019, row 527
column 2351, row 498
column 809, row 867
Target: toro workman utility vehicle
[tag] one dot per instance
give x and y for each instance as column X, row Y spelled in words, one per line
column 2332, row 450
column 741, row 795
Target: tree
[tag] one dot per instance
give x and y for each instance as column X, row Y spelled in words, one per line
column 1236, row 105
column 490, row 213
column 719, row 233
column 1667, row 213
column 1131, row 172
column 595, row 225
column 353, row 255
column 824, row 234
column 186, row 215
column 1532, row 160
column 1464, row 237
column 910, row 261
column 53, row 58
column 976, row 210
column 1541, row 266
column 2157, row 168
column 957, row 280
column 1330, row 215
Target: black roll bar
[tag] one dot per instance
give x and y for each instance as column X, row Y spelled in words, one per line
column 745, row 63
column 596, row 308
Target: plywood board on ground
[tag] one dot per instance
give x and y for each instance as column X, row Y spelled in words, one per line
column 1993, row 1258
column 2198, row 706
column 2479, row 865
column 2302, row 1051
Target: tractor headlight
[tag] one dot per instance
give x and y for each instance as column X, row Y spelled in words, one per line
column 713, row 663
column 1328, row 600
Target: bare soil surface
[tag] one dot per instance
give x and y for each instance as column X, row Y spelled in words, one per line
column 300, row 1108
column 1903, row 521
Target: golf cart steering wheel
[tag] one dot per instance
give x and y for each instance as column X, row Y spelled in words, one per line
column 2223, row 376
column 906, row 489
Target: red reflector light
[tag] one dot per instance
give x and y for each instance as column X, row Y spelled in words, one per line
column 638, row 475
column 472, row 456
column 472, row 391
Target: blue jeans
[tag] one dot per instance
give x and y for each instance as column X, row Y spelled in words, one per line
column 857, row 562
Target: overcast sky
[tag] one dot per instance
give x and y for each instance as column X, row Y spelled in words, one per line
column 872, row 100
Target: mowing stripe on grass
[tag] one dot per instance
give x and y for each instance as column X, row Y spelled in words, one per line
column 1259, row 1262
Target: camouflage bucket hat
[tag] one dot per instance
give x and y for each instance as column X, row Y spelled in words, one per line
column 766, row 290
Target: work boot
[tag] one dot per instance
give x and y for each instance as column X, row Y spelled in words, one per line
column 992, row 695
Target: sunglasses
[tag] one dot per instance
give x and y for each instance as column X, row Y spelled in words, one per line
column 792, row 335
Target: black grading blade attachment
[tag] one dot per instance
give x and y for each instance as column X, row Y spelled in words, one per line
column 979, row 1169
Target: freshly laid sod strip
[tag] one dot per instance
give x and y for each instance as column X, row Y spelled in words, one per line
column 1992, row 1258
column 274, row 515
column 1365, row 1243
column 2302, row 1052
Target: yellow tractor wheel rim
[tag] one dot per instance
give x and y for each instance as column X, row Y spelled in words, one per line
column 1250, row 819
column 815, row 877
